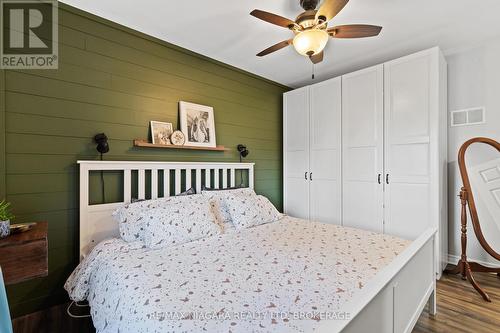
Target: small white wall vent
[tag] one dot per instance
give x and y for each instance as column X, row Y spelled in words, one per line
column 465, row 117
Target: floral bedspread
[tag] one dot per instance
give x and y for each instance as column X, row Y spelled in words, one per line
column 284, row 276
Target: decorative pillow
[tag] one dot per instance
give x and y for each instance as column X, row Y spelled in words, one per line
column 130, row 219
column 249, row 211
column 189, row 191
column 208, row 189
column 218, row 200
column 177, row 224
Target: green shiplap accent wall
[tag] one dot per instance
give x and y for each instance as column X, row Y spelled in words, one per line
column 115, row 80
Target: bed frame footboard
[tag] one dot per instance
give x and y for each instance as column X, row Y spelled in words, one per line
column 395, row 298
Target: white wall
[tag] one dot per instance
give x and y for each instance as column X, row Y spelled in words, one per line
column 473, row 80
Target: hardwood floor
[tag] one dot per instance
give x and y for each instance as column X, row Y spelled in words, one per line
column 460, row 309
column 54, row 320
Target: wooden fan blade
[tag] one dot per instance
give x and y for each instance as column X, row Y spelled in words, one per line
column 354, row 31
column 329, row 9
column 316, row 59
column 275, row 47
column 273, row 18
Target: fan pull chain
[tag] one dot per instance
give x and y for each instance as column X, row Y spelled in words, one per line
column 312, row 76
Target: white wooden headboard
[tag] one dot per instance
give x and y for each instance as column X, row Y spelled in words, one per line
column 96, row 223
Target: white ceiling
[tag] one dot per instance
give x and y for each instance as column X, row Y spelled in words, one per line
column 224, row 30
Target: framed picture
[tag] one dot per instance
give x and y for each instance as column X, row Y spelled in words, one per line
column 160, row 132
column 197, row 124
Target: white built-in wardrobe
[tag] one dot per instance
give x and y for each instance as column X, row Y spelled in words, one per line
column 368, row 149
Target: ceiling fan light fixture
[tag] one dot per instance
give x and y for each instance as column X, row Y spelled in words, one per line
column 310, row 42
column 310, row 28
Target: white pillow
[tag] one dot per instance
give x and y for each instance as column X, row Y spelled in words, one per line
column 177, row 224
column 218, row 200
column 130, row 219
column 249, row 211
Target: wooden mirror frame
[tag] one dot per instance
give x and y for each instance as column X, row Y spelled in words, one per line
column 470, row 195
column 464, row 266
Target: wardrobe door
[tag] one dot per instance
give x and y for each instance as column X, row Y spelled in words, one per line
column 296, row 152
column 363, row 155
column 325, row 151
column 411, row 89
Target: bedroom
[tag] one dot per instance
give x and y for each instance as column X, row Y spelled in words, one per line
column 110, row 110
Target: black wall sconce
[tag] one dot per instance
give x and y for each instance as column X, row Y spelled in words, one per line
column 102, row 143
column 242, row 149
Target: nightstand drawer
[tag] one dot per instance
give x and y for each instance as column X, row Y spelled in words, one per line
column 24, row 256
column 24, row 261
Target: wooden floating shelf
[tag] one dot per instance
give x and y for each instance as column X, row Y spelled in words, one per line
column 146, row 144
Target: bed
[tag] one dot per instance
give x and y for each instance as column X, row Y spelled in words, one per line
column 291, row 275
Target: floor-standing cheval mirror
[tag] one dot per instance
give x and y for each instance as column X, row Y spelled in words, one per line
column 479, row 163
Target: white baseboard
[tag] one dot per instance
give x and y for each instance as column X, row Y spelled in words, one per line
column 453, row 259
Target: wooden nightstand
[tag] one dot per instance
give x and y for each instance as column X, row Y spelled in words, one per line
column 23, row 256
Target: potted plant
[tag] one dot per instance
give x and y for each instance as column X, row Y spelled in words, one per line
column 5, row 217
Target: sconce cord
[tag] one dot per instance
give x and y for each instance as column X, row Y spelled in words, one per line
column 78, row 305
column 102, row 185
column 241, row 172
